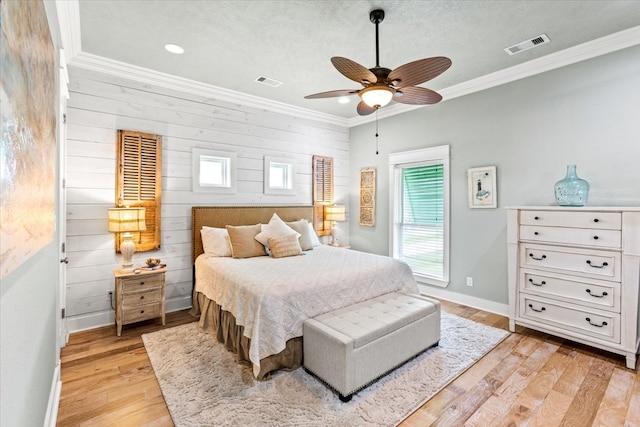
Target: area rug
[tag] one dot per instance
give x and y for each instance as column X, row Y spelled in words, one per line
column 204, row 386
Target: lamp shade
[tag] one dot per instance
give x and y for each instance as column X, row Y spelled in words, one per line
column 123, row 220
column 377, row 96
column 334, row 213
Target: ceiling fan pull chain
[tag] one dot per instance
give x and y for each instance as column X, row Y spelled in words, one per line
column 376, row 132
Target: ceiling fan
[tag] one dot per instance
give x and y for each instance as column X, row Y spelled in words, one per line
column 382, row 85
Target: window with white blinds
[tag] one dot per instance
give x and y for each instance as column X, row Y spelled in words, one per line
column 420, row 223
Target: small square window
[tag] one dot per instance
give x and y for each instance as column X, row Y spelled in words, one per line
column 279, row 175
column 214, row 171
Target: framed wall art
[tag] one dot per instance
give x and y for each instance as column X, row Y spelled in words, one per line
column 367, row 197
column 482, row 187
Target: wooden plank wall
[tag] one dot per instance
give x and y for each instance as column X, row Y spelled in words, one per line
column 100, row 105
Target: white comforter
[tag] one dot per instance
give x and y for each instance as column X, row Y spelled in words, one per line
column 272, row 297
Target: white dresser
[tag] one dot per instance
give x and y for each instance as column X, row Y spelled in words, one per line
column 575, row 273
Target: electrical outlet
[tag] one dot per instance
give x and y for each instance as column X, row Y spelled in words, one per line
column 469, row 281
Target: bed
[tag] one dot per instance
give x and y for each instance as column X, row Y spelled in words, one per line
column 256, row 305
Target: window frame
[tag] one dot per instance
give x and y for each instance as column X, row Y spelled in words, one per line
column 425, row 156
column 290, row 165
column 231, row 159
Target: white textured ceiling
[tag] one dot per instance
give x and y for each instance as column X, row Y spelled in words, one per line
column 230, row 43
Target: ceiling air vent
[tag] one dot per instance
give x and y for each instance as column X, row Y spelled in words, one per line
column 536, row 41
column 267, row 81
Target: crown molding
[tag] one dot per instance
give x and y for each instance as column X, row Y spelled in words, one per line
column 111, row 67
column 69, row 21
column 591, row 49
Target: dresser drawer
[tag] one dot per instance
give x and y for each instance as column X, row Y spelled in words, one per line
column 576, row 219
column 576, row 261
column 143, row 312
column 582, row 291
column 572, row 236
column 136, row 284
column 135, row 299
column 577, row 320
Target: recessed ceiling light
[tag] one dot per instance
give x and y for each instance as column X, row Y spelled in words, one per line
column 344, row 100
column 174, row 48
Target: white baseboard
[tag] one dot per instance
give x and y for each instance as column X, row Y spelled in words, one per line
column 51, row 417
column 107, row 318
column 475, row 302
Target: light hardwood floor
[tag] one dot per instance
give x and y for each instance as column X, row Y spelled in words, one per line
column 529, row 379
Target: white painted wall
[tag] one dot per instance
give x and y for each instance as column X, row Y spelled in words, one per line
column 100, row 105
column 584, row 114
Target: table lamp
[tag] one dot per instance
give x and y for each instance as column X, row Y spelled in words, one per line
column 334, row 213
column 124, row 221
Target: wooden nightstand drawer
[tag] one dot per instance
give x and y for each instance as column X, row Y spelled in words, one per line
column 144, row 312
column 136, row 284
column 141, row 298
column 602, row 220
column 598, row 238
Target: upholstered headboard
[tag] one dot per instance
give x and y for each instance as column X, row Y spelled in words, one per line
column 220, row 216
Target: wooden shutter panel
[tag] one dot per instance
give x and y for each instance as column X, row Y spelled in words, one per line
column 139, row 182
column 322, row 192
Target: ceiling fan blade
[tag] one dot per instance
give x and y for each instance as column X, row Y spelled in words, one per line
column 417, row 96
column 364, row 110
column 420, row 71
column 353, row 70
column 332, row 94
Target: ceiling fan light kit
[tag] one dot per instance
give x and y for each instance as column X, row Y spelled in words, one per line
column 377, row 96
column 382, row 85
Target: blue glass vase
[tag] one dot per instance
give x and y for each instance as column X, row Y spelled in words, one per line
column 572, row 191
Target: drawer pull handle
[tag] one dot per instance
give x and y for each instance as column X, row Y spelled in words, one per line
column 541, row 283
column 142, row 296
column 595, row 324
column 536, row 218
column 536, row 310
column 604, row 294
column 604, row 264
column 141, row 283
column 141, row 311
column 595, row 237
column 535, row 233
column 539, row 259
column 596, row 220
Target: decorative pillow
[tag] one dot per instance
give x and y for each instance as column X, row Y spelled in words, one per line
column 302, row 227
column 285, row 246
column 275, row 228
column 313, row 236
column 243, row 241
column 215, row 241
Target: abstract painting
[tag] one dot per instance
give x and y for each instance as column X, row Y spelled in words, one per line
column 28, row 99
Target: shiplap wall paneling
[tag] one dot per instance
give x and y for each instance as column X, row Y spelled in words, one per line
column 100, row 105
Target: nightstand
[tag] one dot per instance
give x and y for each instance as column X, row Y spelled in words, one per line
column 139, row 296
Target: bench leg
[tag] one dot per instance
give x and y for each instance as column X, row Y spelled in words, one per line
column 345, row 399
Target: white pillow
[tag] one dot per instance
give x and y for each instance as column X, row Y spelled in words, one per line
column 215, row 241
column 313, row 237
column 276, row 228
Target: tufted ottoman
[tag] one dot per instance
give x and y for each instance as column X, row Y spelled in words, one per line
column 352, row 347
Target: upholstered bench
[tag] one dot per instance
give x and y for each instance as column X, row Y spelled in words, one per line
column 352, row 347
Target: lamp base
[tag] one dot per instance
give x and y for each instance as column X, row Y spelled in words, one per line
column 127, row 248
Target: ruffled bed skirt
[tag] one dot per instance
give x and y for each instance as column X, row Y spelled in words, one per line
column 222, row 325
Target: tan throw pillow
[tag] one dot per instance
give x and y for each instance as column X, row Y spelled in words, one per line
column 285, row 246
column 243, row 241
column 275, row 228
column 302, row 227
